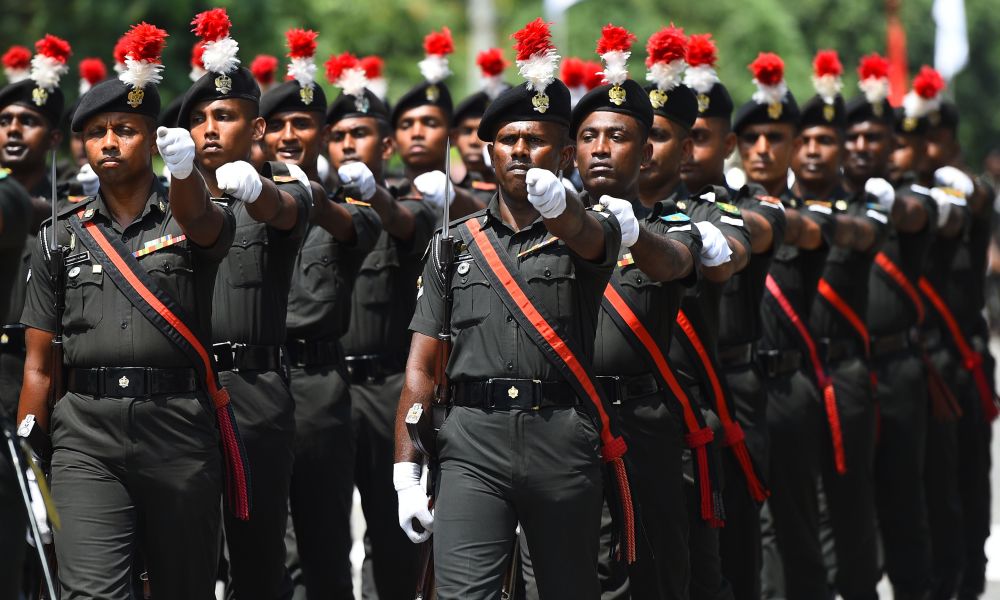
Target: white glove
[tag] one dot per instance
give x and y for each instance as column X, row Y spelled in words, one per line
column 622, row 210
column 714, row 247
column 545, row 192
column 432, row 187
column 177, row 149
column 357, row 174
column 240, row 180
column 883, row 192
column 950, row 177
column 88, row 179
column 412, row 501
column 944, row 202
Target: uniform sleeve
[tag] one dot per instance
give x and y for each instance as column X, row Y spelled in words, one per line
column 15, row 207
column 821, row 213
column 683, row 232
column 303, row 200
column 878, row 216
column 730, row 223
column 612, row 244
column 774, row 214
column 39, row 301
column 367, row 227
column 430, row 299
column 424, row 223
column 217, row 251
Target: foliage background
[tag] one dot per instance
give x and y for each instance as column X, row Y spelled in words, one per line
column 394, row 29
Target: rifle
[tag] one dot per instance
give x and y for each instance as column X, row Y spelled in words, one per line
column 57, row 272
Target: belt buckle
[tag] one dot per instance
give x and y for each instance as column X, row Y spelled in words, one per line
column 488, row 402
column 536, row 389
column 225, row 359
column 620, row 391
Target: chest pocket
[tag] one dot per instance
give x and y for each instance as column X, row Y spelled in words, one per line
column 247, row 255
column 553, row 282
column 376, row 276
column 84, row 297
column 172, row 270
column 471, row 295
column 320, row 272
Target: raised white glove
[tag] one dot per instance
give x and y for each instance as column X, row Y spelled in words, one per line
column 944, row 201
column 357, row 174
column 412, row 501
column 883, row 192
column 622, row 210
column 714, row 247
column 240, row 180
column 950, row 177
column 432, row 186
column 545, row 192
column 87, row 178
column 177, row 149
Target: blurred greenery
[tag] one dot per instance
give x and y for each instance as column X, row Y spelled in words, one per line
column 394, row 30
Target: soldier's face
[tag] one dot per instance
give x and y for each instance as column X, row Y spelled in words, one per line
column 712, row 141
column 357, row 139
column 909, row 157
column 942, row 147
column 295, row 138
column 119, row 146
column 671, row 146
column 766, row 150
column 522, row 145
column 867, row 146
column 818, row 159
column 465, row 137
column 224, row 131
column 610, row 148
column 25, row 138
column 421, row 136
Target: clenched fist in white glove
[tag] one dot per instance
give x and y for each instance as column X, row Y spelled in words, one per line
column 883, row 192
column 177, row 149
column 240, row 180
column 950, row 177
column 714, row 247
column 87, row 178
column 358, row 175
column 432, row 187
column 545, row 192
column 944, row 200
column 412, row 501
column 622, row 210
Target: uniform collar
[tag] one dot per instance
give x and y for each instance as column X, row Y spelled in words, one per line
column 156, row 202
column 493, row 215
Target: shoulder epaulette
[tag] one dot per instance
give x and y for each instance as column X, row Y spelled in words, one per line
column 729, row 208
column 678, row 217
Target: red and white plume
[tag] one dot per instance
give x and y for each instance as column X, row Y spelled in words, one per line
column 197, row 63
column 594, row 74
column 873, row 78
column 345, row 71
column 925, row 97
column 301, row 50
column 119, row 54
column 536, row 57
column 213, row 26
column 16, row 63
column 666, row 52
column 373, row 66
column 92, row 71
column 826, row 75
column 574, row 74
column 700, row 57
column 48, row 65
column 614, row 47
column 437, row 46
column 143, row 48
column 264, row 68
column 769, row 76
column 491, row 64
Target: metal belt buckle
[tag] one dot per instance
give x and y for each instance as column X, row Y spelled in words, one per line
column 488, row 402
column 536, row 388
column 620, row 391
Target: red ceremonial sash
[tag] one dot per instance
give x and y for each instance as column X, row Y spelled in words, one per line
column 841, row 306
column 902, row 281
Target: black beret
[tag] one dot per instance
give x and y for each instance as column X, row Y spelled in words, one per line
column 518, row 104
column 904, row 125
column 632, row 100
column 114, row 96
column 433, row 94
column 292, row 97
column 679, row 104
column 717, row 103
column 752, row 113
column 48, row 104
column 471, row 107
column 859, row 110
column 817, row 112
column 168, row 118
column 213, row 86
column 347, row 106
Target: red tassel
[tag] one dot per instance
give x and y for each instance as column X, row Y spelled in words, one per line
column 627, row 509
column 237, row 472
column 698, row 442
column 736, row 439
column 832, row 415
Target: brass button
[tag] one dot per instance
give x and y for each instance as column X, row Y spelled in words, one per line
column 548, row 272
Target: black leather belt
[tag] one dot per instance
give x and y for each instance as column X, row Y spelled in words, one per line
column 12, row 339
column 620, row 389
column 373, row 368
column 884, row 345
column 230, row 356
column 131, row 382
column 735, row 356
column 833, row 350
column 776, row 363
column 505, row 394
column 320, row 353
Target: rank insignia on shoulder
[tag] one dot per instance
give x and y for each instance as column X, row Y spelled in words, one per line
column 675, row 218
column 728, row 208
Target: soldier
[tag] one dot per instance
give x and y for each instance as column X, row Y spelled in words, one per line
column 136, row 465
column 518, row 443
column 251, row 295
column 337, row 240
column 478, row 174
column 377, row 339
column 837, row 320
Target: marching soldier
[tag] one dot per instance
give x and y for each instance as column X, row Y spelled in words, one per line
column 478, row 174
